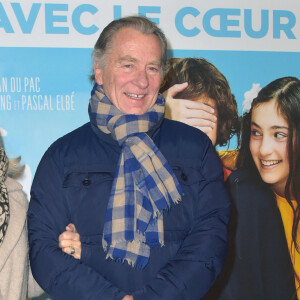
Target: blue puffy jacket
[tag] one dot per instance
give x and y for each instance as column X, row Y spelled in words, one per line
column 72, row 185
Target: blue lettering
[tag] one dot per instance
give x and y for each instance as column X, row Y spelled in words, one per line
column 179, row 21
column 78, row 11
column 50, row 18
column 26, row 25
column 223, row 13
column 286, row 27
column 4, row 21
column 144, row 10
column 264, row 24
column 117, row 12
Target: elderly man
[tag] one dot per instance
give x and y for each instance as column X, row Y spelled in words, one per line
column 146, row 194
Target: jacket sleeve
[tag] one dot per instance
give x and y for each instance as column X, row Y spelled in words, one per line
column 193, row 270
column 58, row 273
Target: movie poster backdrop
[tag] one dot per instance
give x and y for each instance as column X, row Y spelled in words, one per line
column 45, row 56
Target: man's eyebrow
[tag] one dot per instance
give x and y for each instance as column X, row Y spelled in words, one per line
column 157, row 63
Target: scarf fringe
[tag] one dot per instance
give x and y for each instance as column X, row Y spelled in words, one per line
column 130, row 262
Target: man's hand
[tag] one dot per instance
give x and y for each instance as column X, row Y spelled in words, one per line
column 69, row 241
column 190, row 112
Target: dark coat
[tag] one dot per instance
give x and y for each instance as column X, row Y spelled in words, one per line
column 73, row 183
column 258, row 266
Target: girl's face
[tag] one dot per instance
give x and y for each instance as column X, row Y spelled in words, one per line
column 269, row 145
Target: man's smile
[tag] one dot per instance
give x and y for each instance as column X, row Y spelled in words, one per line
column 135, row 96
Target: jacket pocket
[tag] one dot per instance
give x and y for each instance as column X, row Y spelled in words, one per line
column 187, row 176
column 87, row 193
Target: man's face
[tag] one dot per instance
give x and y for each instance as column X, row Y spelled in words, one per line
column 132, row 75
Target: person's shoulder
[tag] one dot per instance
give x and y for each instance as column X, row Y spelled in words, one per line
column 68, row 145
column 12, row 185
column 245, row 176
column 15, row 192
column 247, row 186
column 182, row 133
column 74, row 136
column 182, row 143
column 181, row 128
column 71, row 141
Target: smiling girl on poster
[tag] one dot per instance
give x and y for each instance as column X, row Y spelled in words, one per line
column 271, row 146
column 264, row 250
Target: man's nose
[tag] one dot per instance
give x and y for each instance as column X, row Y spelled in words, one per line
column 141, row 79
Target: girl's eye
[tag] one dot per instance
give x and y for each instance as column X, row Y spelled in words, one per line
column 279, row 135
column 255, row 133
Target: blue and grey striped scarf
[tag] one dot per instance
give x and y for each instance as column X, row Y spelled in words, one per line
column 144, row 183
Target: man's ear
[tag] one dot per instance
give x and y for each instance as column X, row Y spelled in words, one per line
column 98, row 74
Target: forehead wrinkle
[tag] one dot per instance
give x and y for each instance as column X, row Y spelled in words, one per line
column 127, row 58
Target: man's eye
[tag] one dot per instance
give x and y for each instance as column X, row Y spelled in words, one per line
column 155, row 69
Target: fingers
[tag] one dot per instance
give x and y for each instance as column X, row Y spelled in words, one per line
column 175, row 89
column 128, row 297
column 69, row 241
column 198, row 114
column 191, row 112
column 71, row 227
column 68, row 235
column 195, row 105
column 71, row 247
column 201, row 124
column 207, row 130
column 72, row 250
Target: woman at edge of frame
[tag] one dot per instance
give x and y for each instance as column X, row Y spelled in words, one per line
column 16, row 280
